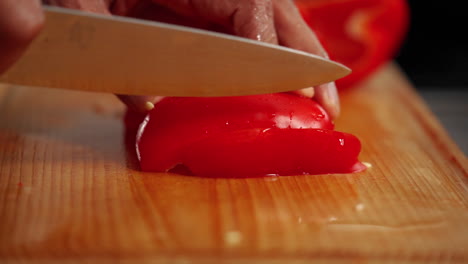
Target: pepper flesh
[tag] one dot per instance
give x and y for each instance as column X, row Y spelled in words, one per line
column 245, row 136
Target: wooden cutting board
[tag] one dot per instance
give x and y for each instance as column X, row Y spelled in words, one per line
column 70, row 193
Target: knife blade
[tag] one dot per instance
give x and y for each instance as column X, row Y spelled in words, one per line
column 83, row 51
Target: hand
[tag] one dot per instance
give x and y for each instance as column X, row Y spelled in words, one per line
column 273, row 21
column 20, row 22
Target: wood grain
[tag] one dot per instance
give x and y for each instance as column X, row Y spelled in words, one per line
column 71, row 193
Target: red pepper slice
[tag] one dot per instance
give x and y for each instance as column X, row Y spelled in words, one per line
column 361, row 34
column 280, row 134
column 257, row 152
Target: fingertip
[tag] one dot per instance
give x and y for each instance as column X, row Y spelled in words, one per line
column 255, row 21
column 334, row 111
column 140, row 104
column 327, row 96
column 306, row 92
column 149, row 106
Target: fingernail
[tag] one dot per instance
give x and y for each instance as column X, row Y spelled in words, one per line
column 327, row 96
column 306, row 92
column 149, row 106
column 136, row 103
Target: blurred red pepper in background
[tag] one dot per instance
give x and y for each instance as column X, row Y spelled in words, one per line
column 361, row 34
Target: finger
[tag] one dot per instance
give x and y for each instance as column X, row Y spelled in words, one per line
column 306, row 92
column 251, row 19
column 141, row 104
column 20, row 22
column 327, row 96
column 293, row 32
column 99, row 7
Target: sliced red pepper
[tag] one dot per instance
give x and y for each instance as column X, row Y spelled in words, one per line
column 257, row 152
column 244, row 136
column 361, row 34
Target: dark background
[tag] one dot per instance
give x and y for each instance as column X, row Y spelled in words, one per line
column 435, row 52
column 435, row 58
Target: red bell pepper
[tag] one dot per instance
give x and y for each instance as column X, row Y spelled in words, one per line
column 361, row 34
column 279, row 134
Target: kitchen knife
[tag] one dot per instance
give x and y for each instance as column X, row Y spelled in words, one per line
column 84, row 51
